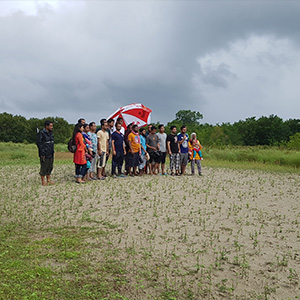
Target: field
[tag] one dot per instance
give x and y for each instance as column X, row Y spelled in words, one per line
column 233, row 233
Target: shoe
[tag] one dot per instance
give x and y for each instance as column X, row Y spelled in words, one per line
column 200, row 174
column 122, row 175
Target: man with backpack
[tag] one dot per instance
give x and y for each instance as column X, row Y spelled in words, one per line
column 45, row 144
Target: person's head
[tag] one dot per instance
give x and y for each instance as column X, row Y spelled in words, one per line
column 81, row 120
column 173, row 129
column 86, row 128
column 48, row 125
column 120, row 120
column 110, row 123
column 102, row 122
column 149, row 127
column 129, row 127
column 104, row 125
column 143, row 131
column 153, row 129
column 193, row 136
column 183, row 129
column 118, row 126
column 93, row 127
column 78, row 128
column 135, row 128
column 161, row 128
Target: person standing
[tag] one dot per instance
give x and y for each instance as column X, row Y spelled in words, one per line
column 174, row 150
column 45, row 144
column 94, row 139
column 162, row 140
column 134, row 150
column 143, row 150
column 153, row 150
column 196, row 155
column 102, row 149
column 79, row 155
column 118, row 150
column 183, row 140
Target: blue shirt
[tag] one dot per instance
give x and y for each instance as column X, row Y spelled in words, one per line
column 143, row 143
column 184, row 147
column 118, row 139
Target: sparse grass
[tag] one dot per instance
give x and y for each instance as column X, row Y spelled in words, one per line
column 231, row 234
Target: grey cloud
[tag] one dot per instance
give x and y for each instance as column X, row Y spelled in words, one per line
column 107, row 54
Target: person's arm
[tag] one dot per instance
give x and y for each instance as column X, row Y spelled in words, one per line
column 113, row 146
column 124, row 148
column 107, row 143
column 130, row 144
column 168, row 147
column 99, row 147
column 182, row 140
column 178, row 148
column 39, row 143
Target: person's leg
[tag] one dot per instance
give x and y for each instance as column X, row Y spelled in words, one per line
column 177, row 163
column 104, row 164
column 163, row 163
column 82, row 172
column 120, row 163
column 172, row 163
column 49, row 169
column 77, row 173
column 43, row 171
column 198, row 161
column 113, row 165
column 156, row 168
column 193, row 167
column 93, row 167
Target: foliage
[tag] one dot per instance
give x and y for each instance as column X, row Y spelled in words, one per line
column 294, row 142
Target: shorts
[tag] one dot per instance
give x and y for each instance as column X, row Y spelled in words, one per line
column 102, row 160
column 154, row 157
column 163, row 157
column 184, row 158
column 133, row 159
column 46, row 166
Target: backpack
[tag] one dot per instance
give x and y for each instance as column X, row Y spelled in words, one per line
column 72, row 146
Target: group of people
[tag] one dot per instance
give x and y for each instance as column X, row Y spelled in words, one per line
column 144, row 151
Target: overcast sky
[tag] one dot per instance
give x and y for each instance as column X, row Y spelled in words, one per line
column 228, row 60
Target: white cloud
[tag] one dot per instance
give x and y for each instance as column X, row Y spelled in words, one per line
column 257, row 77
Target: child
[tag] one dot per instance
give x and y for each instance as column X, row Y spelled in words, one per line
column 197, row 150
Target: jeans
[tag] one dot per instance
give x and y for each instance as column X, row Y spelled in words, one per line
column 198, row 163
column 80, row 170
column 117, row 162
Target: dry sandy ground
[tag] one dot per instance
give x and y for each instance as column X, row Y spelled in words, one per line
column 231, row 234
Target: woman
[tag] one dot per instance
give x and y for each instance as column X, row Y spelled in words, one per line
column 195, row 146
column 79, row 155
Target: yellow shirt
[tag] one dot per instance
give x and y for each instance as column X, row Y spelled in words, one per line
column 102, row 138
column 134, row 139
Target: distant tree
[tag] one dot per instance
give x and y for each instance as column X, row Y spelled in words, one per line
column 188, row 117
column 294, row 142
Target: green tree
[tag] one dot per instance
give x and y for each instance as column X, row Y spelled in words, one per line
column 188, row 117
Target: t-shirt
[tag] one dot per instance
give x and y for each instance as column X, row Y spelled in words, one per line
column 135, row 142
column 173, row 143
column 94, row 140
column 118, row 139
column 184, row 147
column 143, row 143
column 162, row 140
column 103, row 137
column 152, row 140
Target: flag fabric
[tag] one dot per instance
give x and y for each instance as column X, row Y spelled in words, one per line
column 135, row 113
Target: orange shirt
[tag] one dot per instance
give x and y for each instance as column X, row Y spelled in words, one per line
column 134, row 139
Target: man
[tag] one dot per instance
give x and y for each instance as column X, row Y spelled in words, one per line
column 45, row 144
column 174, row 151
column 94, row 139
column 149, row 130
column 102, row 149
column 110, row 131
column 134, row 150
column 153, row 148
column 82, row 121
column 162, row 140
column 118, row 150
column 99, row 128
column 121, row 121
column 183, row 140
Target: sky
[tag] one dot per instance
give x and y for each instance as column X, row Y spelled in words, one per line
column 229, row 60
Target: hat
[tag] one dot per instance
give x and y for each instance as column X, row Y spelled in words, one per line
column 147, row 156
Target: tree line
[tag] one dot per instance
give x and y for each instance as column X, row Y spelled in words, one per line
column 270, row 131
